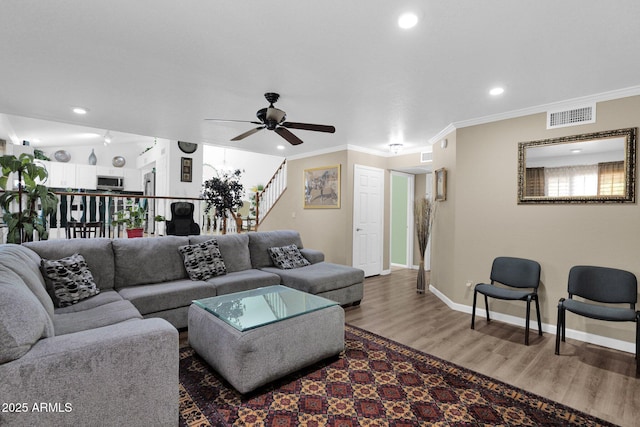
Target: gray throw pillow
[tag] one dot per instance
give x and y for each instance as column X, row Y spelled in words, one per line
column 69, row 280
column 203, row 261
column 287, row 257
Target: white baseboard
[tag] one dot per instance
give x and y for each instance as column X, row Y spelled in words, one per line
column 551, row 329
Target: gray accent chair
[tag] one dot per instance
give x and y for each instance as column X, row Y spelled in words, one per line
column 602, row 285
column 519, row 273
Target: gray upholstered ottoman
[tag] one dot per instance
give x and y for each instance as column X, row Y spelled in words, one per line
column 252, row 338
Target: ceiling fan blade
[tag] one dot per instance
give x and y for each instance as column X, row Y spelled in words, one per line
column 248, row 133
column 293, row 140
column 235, row 121
column 309, row 126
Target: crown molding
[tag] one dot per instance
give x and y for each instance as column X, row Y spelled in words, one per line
column 599, row 97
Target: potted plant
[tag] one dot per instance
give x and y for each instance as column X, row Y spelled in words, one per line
column 224, row 193
column 22, row 215
column 132, row 217
column 160, row 219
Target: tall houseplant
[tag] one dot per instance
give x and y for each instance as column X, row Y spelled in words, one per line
column 224, row 193
column 20, row 206
column 424, row 212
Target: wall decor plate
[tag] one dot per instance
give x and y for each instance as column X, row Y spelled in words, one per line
column 62, row 156
column 118, row 161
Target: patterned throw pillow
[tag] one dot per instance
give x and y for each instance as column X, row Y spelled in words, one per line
column 69, row 280
column 203, row 261
column 287, row 257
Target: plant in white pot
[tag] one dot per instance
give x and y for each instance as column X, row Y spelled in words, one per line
column 132, row 217
column 224, row 194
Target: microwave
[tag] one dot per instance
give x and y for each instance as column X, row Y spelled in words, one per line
column 110, row 183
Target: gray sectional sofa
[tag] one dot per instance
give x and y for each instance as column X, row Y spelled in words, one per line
column 112, row 359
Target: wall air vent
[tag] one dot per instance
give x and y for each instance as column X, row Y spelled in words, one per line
column 426, row 156
column 571, row 117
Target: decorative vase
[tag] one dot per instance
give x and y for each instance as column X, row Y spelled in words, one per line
column 421, row 285
column 92, row 158
column 134, row 232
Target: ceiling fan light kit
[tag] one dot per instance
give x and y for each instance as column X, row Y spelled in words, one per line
column 272, row 118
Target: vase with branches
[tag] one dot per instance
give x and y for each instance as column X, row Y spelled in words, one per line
column 224, row 193
column 424, row 213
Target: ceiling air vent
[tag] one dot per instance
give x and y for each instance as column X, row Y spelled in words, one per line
column 426, row 156
column 571, row 117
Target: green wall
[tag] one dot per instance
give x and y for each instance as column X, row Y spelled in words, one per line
column 399, row 194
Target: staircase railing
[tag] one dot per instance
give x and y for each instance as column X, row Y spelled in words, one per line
column 267, row 198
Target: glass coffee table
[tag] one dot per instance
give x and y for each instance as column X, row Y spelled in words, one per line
column 259, row 307
column 254, row 337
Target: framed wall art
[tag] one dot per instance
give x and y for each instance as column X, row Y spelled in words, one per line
column 322, row 187
column 441, row 184
column 186, row 169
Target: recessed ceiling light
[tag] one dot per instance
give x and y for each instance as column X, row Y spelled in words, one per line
column 280, row 147
column 407, row 20
column 496, row 91
column 80, row 110
column 36, row 140
column 576, row 151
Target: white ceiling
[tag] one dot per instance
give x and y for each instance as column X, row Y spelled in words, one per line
column 160, row 67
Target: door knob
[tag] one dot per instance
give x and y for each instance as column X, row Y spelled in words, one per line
column 358, row 229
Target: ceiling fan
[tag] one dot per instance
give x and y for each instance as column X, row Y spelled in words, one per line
column 272, row 118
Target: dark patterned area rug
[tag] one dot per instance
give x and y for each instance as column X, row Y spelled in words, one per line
column 374, row 382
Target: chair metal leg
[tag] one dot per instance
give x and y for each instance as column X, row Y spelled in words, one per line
column 564, row 324
column 538, row 314
column 526, row 324
column 559, row 327
column 637, row 344
column 486, row 307
column 473, row 310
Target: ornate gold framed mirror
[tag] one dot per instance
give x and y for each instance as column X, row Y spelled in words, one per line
column 595, row 167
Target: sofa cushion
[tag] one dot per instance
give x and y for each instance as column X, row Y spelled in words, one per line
column 320, row 277
column 97, row 317
column 243, row 281
column 97, row 252
column 26, row 264
column 203, row 260
column 168, row 295
column 24, row 319
column 150, row 260
column 69, row 280
column 234, row 249
column 260, row 242
column 104, row 297
column 287, row 257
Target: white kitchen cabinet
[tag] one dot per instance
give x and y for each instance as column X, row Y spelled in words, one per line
column 86, row 177
column 61, row 175
column 132, row 179
column 110, row 171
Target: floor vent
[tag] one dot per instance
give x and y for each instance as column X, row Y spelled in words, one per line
column 571, row 117
column 426, row 156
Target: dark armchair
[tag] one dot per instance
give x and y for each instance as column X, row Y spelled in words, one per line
column 182, row 223
column 603, row 286
column 521, row 278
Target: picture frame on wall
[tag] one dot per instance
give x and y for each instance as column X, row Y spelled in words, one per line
column 186, row 169
column 440, row 183
column 322, row 187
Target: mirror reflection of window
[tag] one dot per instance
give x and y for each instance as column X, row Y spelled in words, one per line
column 603, row 179
column 587, row 166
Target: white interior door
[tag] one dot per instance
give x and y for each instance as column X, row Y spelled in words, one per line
column 368, row 214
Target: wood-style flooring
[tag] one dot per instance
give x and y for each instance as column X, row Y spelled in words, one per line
column 593, row 379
